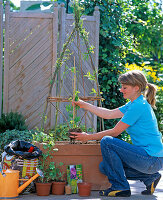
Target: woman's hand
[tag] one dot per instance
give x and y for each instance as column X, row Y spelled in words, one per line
column 79, row 103
column 84, row 137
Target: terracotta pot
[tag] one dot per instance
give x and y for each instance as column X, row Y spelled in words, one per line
column 68, row 189
column 84, row 189
column 43, row 189
column 58, row 188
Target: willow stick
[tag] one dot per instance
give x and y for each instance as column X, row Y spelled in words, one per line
column 81, row 68
column 94, row 69
column 74, row 90
column 61, row 114
column 57, row 67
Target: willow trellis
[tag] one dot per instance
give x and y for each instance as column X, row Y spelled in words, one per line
column 78, row 33
column 32, row 43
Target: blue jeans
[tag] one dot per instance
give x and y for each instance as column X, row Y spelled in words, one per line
column 122, row 161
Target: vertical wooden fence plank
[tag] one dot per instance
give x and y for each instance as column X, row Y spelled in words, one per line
column 96, row 39
column 54, row 54
column 1, row 53
column 97, row 18
column 62, row 36
column 6, row 58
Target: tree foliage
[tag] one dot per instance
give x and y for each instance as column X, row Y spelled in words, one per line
column 143, row 20
column 12, row 5
column 130, row 32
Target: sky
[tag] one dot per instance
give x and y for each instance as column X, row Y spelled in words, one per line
column 16, row 2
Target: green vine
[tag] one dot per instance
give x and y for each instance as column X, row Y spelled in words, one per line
column 77, row 30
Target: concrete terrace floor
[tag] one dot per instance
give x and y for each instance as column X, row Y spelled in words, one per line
column 136, row 188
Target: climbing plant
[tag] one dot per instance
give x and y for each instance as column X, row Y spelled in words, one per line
column 78, row 32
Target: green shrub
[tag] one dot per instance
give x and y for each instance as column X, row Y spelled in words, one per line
column 159, row 110
column 12, row 120
column 42, row 137
column 11, row 135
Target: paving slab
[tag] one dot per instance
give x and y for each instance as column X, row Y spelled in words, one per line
column 136, row 188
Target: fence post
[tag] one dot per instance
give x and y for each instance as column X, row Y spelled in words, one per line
column 6, row 58
column 62, row 37
column 1, row 53
column 97, row 26
column 97, row 18
column 62, row 18
column 55, row 39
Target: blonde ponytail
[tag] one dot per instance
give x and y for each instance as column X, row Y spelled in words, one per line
column 150, row 94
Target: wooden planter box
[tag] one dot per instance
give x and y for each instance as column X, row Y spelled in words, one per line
column 89, row 155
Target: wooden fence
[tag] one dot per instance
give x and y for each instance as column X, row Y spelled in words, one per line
column 32, row 43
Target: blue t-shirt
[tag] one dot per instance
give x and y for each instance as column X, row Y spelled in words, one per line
column 143, row 128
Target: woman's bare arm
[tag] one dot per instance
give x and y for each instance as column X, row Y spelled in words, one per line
column 99, row 111
column 114, row 132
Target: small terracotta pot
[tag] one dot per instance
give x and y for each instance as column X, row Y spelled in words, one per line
column 68, row 189
column 58, row 188
column 84, row 189
column 43, row 189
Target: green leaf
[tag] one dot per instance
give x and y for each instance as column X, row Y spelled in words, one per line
column 93, row 91
column 76, row 98
column 77, row 119
column 46, row 4
column 34, row 7
column 45, row 146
